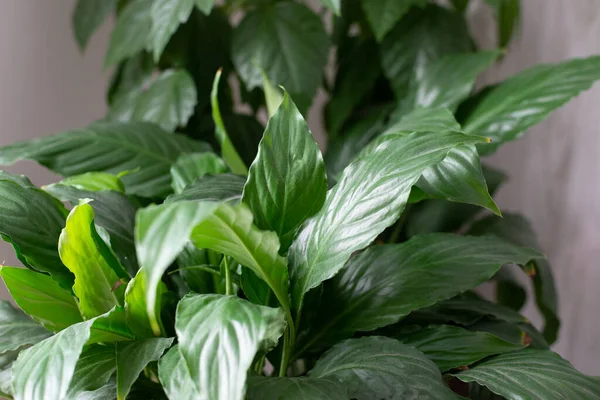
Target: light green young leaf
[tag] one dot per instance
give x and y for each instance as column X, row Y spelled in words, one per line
column 131, row 32
column 382, row 368
column 287, row 182
column 273, row 96
column 532, row 374
column 17, row 329
column 369, row 197
column 261, row 387
column 91, row 181
column 527, row 98
column 190, row 167
column 167, row 101
column 96, row 364
column 166, row 16
column 90, row 260
column 228, row 151
column 383, row 14
column 88, row 16
column 219, row 337
column 110, row 147
column 175, row 376
column 41, row 298
column 263, row 40
column 132, row 358
column 508, row 14
column 137, row 316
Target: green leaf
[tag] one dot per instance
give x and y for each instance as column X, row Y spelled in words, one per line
column 383, row 14
column 81, row 250
column 88, row 16
column 96, row 364
column 527, row 98
column 131, row 32
column 129, row 75
column 260, row 387
column 460, row 5
column 111, row 327
column 219, row 337
column 41, row 298
column 358, row 209
column 381, row 368
column 287, row 182
column 422, row 275
column 167, row 101
column 418, row 39
column 91, row 181
column 132, row 358
column 137, row 316
column 17, row 329
column 228, row 151
column 273, row 95
column 508, row 13
column 110, row 147
column 532, row 374
column 333, row 5
column 175, row 376
column 31, row 220
column 263, row 40
column 190, row 167
column 166, row 16
column 452, row 347
column 6, row 365
column 515, row 332
column 205, row 6
column 222, row 187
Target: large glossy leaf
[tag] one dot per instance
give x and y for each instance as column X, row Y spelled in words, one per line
column 418, row 39
column 111, row 327
column 190, row 167
column 132, row 358
column 527, row 98
column 41, row 298
column 219, row 337
column 166, row 16
column 508, row 13
column 286, row 182
column 532, row 374
column 260, row 387
column 167, row 101
column 131, row 32
column 175, row 376
column 96, row 364
column 369, row 197
column 451, row 347
column 31, row 221
column 88, row 16
column 110, row 147
column 383, row 14
column 17, row 329
column 222, row 187
column 90, row 181
column 387, row 282
column 91, row 261
column 263, row 40
column 381, row 368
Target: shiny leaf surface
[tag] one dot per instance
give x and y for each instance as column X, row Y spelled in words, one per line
column 175, row 376
column 166, row 17
column 190, row 167
column 383, row 14
column 131, row 32
column 88, row 16
column 260, row 387
column 17, row 329
column 94, row 368
column 90, row 181
column 222, row 187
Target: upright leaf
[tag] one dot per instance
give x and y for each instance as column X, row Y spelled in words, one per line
column 190, row 167
column 136, row 314
column 219, row 337
column 287, row 181
column 131, row 32
column 41, row 298
column 205, row 6
column 527, row 98
column 88, row 16
column 89, row 259
column 381, row 368
column 175, row 376
column 508, row 14
column 260, row 387
column 369, row 197
column 110, row 147
column 166, row 16
column 17, row 329
column 383, row 14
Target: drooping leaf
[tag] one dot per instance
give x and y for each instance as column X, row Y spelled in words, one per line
column 381, row 368
column 222, row 187
column 418, row 39
column 527, row 98
column 219, row 337
column 88, row 16
column 17, row 329
column 263, row 40
column 132, row 358
column 110, row 147
column 515, row 332
column 383, row 14
column 451, row 347
column 31, row 220
column 508, row 14
column 260, row 387
column 131, row 32
column 166, row 17
column 532, row 374
column 287, row 181
column 167, row 101
column 90, row 181
column 190, row 167
column 369, row 197
column 41, row 298
column 91, row 261
column 387, row 282
column 175, row 376
column 96, row 364
column 333, row 5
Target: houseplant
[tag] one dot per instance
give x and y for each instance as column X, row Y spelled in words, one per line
column 265, row 271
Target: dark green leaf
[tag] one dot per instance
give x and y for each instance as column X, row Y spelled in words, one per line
column 527, row 98
column 6, row 365
column 222, row 187
column 88, row 16
column 460, row 5
column 94, row 368
column 260, row 388
column 110, row 147
column 383, row 14
column 190, row 167
column 514, row 332
column 175, row 376
column 509, row 291
column 287, row 182
column 218, row 339
column 131, row 32
column 508, row 13
column 41, row 298
column 130, row 75
column 381, row 368
column 17, row 329
column 166, row 17
column 111, row 327
column 532, row 374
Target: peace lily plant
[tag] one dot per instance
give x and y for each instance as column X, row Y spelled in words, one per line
column 193, row 262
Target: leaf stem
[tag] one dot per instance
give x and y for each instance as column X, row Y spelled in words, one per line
column 203, row 267
column 228, row 284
